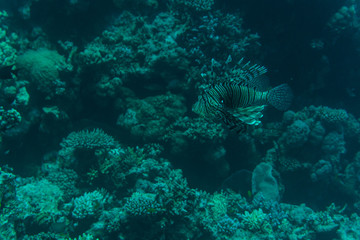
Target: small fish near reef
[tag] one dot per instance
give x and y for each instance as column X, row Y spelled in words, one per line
column 238, row 97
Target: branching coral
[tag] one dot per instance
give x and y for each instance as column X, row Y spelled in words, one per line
column 198, row 5
column 8, row 53
column 256, row 221
column 89, row 204
column 142, row 204
column 42, row 205
column 85, row 140
column 9, row 118
column 150, row 117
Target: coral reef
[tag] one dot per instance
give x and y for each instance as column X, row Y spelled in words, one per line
column 98, row 140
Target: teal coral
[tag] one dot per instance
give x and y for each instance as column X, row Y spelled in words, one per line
column 133, row 68
column 8, row 52
column 198, row 5
column 161, row 195
column 86, row 139
column 142, row 204
column 150, row 117
column 41, row 205
column 43, row 68
column 89, row 204
column 9, row 118
column 256, row 221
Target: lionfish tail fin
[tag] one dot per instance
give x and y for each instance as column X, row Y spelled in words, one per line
column 280, row 97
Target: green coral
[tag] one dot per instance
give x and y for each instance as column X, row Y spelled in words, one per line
column 8, row 53
column 198, row 5
column 256, row 221
column 89, row 204
column 350, row 228
column 43, row 67
column 42, row 205
column 331, row 115
column 196, row 129
column 9, row 118
column 151, row 117
column 142, row 204
column 218, row 206
column 86, row 139
column 84, row 236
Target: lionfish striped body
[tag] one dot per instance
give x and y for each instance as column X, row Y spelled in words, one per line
column 238, row 102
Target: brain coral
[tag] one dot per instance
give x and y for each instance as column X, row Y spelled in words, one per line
column 42, row 67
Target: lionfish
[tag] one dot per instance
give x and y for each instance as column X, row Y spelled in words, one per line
column 239, row 98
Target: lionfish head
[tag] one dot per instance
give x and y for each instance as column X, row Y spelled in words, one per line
column 206, row 106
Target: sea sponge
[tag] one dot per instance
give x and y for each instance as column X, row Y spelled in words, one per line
column 264, row 183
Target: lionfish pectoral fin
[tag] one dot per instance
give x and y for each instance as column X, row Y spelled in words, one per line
column 249, row 115
column 234, row 124
column 238, row 127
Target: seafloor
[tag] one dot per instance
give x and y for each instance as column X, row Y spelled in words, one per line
column 98, row 139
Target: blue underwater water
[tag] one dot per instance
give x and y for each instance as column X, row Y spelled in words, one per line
column 170, row 119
